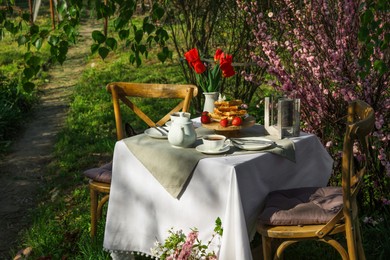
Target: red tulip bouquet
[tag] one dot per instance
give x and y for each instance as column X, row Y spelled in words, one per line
column 209, row 78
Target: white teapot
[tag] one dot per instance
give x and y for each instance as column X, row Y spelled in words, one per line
column 182, row 132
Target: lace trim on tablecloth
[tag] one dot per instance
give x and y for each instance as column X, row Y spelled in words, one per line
column 126, row 255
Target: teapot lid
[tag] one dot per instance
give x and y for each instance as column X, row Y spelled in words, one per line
column 182, row 119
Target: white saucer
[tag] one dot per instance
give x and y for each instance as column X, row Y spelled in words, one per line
column 154, row 133
column 201, row 148
column 252, row 143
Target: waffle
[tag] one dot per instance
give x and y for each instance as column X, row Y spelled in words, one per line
column 227, row 109
column 224, row 103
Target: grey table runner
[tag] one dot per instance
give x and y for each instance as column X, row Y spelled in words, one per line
column 172, row 167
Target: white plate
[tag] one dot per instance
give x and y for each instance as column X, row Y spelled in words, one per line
column 154, row 133
column 201, row 148
column 252, row 143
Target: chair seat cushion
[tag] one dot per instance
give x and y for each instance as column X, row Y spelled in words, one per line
column 302, row 206
column 100, row 174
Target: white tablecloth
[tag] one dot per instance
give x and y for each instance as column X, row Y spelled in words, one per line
column 141, row 211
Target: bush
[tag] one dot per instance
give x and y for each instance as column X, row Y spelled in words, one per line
column 313, row 53
column 14, row 106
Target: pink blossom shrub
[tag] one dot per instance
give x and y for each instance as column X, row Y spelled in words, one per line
column 328, row 53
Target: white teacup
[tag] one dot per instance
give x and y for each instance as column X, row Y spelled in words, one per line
column 213, row 142
column 177, row 115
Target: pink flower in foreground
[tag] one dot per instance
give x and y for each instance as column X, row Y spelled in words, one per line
column 187, row 247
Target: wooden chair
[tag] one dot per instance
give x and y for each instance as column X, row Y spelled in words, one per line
column 315, row 213
column 123, row 90
column 100, row 178
column 99, row 183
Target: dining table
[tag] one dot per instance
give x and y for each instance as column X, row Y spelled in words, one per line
column 156, row 187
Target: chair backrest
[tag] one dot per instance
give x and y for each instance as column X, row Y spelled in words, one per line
column 124, row 91
column 360, row 122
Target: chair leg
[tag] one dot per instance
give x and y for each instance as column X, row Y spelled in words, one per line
column 100, row 206
column 94, row 206
column 266, row 242
column 359, row 242
column 351, row 243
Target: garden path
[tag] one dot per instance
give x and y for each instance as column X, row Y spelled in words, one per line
column 22, row 170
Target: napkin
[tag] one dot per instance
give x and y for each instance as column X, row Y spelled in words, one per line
column 171, row 166
column 284, row 147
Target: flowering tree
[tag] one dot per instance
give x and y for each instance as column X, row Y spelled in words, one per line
column 328, row 53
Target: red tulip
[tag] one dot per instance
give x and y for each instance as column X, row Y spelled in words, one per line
column 218, row 54
column 226, row 65
column 199, row 67
column 226, row 58
column 210, row 80
column 192, row 55
column 228, row 72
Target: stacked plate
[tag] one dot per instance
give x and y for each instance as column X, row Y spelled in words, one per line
column 252, row 143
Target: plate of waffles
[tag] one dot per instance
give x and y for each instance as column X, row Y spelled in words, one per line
column 248, row 121
column 230, row 110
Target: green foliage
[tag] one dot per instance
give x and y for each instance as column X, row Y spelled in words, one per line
column 17, row 98
column 14, row 106
column 218, row 227
column 34, row 36
column 374, row 33
column 375, row 226
column 140, row 38
column 212, row 24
